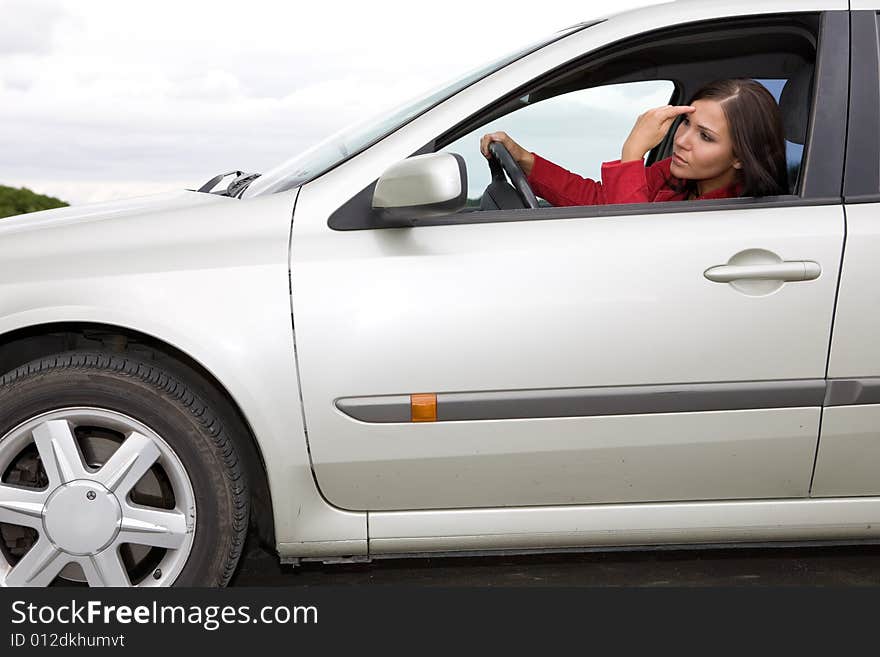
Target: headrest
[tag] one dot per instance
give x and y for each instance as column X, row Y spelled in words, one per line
column 794, row 103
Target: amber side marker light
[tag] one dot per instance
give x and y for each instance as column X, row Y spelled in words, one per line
column 423, row 408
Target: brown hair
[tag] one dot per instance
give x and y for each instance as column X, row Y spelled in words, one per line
column 755, row 124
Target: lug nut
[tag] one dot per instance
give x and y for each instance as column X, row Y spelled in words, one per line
column 157, row 573
column 91, row 495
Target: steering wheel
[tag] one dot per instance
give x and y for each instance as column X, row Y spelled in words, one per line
column 502, row 162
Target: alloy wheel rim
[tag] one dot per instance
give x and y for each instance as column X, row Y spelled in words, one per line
column 86, row 515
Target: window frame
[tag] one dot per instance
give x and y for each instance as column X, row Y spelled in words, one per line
column 862, row 173
column 821, row 167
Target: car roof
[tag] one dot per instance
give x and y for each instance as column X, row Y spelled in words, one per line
column 689, row 10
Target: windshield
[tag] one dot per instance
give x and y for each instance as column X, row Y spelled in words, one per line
column 354, row 139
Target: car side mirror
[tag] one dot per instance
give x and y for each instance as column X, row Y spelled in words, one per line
column 421, row 186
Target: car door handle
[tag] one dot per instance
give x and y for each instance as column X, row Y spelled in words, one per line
column 792, row 270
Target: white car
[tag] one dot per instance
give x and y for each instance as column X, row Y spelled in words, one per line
column 358, row 359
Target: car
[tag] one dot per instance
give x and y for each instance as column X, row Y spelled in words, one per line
column 353, row 358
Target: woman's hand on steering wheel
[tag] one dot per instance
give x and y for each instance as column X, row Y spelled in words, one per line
column 523, row 157
column 502, row 162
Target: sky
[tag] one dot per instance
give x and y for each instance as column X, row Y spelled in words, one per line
column 101, row 99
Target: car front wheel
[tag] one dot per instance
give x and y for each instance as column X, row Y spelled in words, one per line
column 114, row 473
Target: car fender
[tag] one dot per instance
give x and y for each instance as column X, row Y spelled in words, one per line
column 210, row 279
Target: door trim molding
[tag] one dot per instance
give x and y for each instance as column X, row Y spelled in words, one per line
column 616, row 400
column 852, row 392
column 619, row 400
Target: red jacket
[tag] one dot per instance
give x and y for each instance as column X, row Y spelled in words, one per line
column 622, row 182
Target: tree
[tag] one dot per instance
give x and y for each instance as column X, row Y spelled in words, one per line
column 19, row 201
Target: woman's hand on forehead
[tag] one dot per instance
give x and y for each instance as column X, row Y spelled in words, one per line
column 649, row 130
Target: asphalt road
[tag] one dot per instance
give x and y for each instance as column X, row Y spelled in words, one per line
column 814, row 566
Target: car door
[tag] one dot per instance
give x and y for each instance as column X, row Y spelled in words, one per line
column 849, row 447
column 567, row 355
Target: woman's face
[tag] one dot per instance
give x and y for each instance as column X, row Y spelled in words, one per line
column 703, row 149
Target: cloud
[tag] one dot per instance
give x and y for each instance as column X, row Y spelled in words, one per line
column 152, row 127
column 111, row 93
column 28, row 26
column 212, row 85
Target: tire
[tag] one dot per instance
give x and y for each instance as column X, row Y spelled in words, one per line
column 113, row 472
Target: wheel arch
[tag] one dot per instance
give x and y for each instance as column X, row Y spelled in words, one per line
column 22, row 345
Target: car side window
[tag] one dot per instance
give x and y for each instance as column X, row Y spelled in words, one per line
column 577, row 130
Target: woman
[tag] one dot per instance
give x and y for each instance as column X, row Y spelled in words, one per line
column 729, row 143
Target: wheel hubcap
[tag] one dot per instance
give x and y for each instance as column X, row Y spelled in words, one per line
column 87, row 523
column 82, row 517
